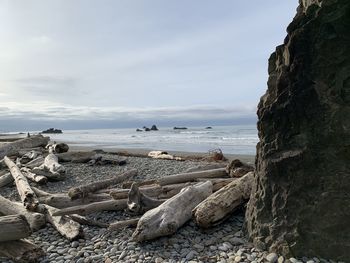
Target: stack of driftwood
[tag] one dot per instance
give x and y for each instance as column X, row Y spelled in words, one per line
column 208, row 194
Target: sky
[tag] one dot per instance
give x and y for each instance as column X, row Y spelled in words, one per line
column 125, row 63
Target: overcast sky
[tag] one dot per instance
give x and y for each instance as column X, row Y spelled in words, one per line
column 119, row 63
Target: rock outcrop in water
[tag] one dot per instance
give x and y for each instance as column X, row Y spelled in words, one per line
column 301, row 201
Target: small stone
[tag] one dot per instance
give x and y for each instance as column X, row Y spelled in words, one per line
column 293, row 260
column 272, row 257
column 74, row 244
column 238, row 258
column 122, row 255
column 280, row 259
column 158, row 260
column 191, row 255
column 108, row 260
column 310, row 261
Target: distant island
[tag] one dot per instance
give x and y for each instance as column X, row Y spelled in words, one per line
column 180, row 128
column 52, row 130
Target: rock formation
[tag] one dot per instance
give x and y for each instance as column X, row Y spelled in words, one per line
column 300, row 204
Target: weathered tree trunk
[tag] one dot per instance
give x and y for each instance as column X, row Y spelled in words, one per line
column 21, row 251
column 63, row 224
column 84, row 190
column 59, row 147
column 109, row 205
column 172, row 214
column 123, row 224
column 37, row 162
column 220, row 204
column 139, row 203
column 62, row 200
column 13, row 227
column 76, row 157
column 6, row 179
column 40, row 179
column 300, row 200
column 187, row 177
column 27, row 195
column 30, row 142
column 51, row 168
column 35, row 220
column 206, row 167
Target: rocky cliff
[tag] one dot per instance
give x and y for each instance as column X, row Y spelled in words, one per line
column 301, row 199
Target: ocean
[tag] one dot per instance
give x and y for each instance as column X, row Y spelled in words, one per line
column 237, row 139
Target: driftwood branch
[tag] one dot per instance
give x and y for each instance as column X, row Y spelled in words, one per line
column 40, row 179
column 84, row 221
column 22, row 251
column 123, row 224
column 13, row 227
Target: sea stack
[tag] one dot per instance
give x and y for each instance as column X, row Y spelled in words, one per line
column 300, row 202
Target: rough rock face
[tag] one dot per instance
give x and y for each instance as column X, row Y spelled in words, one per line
column 300, row 204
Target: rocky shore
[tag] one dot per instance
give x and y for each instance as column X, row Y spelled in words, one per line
column 222, row 243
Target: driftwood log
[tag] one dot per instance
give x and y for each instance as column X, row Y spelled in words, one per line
column 192, row 176
column 40, row 179
column 89, row 222
column 35, row 220
column 76, row 157
column 63, row 224
column 25, row 192
column 51, row 168
column 59, row 147
column 236, row 168
column 13, row 148
column 172, row 214
column 109, row 205
column 6, row 179
column 123, row 224
column 217, row 206
column 22, row 251
column 37, row 162
column 139, row 203
column 84, row 190
column 13, row 227
column 62, row 200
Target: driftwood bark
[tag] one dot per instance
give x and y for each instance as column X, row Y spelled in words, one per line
column 29, row 156
column 26, row 194
column 139, row 203
column 62, row 200
column 123, row 224
column 109, row 205
column 89, row 222
column 63, row 224
column 76, row 157
column 13, row 227
column 236, row 168
column 187, row 177
column 84, row 190
column 35, row 220
column 37, row 162
column 51, row 168
column 172, row 214
column 59, row 147
column 30, row 142
column 22, row 251
column 217, row 206
column 40, row 179
column 6, row 179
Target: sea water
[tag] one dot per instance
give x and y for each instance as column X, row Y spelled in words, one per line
column 238, row 139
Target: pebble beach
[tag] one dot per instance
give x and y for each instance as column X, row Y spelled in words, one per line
column 222, row 243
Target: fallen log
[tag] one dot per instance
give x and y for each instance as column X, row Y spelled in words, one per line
column 37, row 162
column 84, row 190
column 25, row 192
column 22, row 251
column 127, row 184
column 59, row 147
column 51, row 168
column 188, row 177
column 123, row 224
column 66, row 226
column 6, row 179
column 217, row 206
column 13, row 227
column 108, row 205
column 40, row 179
column 172, row 214
column 139, row 203
column 206, row 167
column 101, row 160
column 35, row 220
column 89, row 222
column 236, row 168
column 62, row 200
column 29, row 156
column 12, row 148
column 76, row 157
column 218, row 183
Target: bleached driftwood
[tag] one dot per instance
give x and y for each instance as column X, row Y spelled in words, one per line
column 59, row 147
column 6, row 179
column 217, row 206
column 84, row 190
column 172, row 214
column 22, row 251
column 63, row 224
column 163, row 155
column 205, row 167
column 123, row 224
column 29, row 156
column 84, row 221
column 187, row 177
column 35, row 220
column 51, row 168
column 37, row 162
column 40, row 179
column 62, row 200
column 13, row 227
column 139, row 203
column 13, row 148
column 76, row 157
column 26, row 194
column 109, row 205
